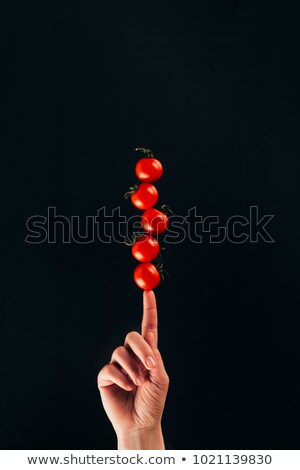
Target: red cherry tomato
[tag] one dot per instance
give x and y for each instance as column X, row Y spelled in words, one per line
column 145, row 196
column 148, row 170
column 145, row 249
column 146, row 276
column 154, row 221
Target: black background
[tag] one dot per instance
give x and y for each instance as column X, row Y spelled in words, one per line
column 212, row 88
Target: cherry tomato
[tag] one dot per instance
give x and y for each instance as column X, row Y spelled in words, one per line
column 145, row 249
column 148, row 170
column 145, row 196
column 154, row 221
column 146, row 276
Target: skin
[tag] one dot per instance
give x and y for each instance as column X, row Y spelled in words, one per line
column 134, row 385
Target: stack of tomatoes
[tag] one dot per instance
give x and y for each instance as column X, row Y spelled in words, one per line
column 153, row 221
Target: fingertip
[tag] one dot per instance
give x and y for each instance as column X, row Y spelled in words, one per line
column 149, row 299
column 146, row 293
column 128, row 385
column 140, row 380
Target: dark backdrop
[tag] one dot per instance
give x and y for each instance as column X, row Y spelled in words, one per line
column 212, row 87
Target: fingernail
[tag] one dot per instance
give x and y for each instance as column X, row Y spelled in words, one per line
column 150, row 361
column 139, row 380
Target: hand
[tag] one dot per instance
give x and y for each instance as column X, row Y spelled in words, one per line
column 134, row 385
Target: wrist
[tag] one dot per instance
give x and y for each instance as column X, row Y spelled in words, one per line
column 141, row 439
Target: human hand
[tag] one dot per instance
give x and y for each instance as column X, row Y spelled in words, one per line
column 134, row 385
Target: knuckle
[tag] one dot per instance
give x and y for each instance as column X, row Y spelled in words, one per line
column 150, row 325
column 131, row 335
column 104, row 370
column 118, row 352
column 98, row 378
column 101, row 374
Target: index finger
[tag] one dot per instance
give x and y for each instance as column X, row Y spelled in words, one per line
column 149, row 322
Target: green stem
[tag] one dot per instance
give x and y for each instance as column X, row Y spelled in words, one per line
column 132, row 190
column 147, row 152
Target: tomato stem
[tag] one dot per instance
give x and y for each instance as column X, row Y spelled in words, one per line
column 132, row 190
column 147, row 152
column 133, row 239
column 165, row 208
column 160, row 266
